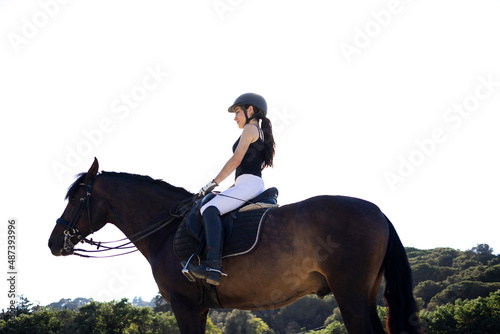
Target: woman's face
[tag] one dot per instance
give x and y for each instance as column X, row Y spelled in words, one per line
column 239, row 116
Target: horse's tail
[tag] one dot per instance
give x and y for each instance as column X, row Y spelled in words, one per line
column 402, row 315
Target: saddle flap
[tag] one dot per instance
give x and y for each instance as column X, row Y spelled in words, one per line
column 194, row 224
column 242, row 239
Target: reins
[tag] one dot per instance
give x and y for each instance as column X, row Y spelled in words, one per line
column 152, row 229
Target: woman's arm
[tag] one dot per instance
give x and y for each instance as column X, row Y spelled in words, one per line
column 250, row 134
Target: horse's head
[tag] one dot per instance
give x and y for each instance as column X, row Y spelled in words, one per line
column 83, row 215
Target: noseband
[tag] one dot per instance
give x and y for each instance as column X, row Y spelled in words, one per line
column 71, row 231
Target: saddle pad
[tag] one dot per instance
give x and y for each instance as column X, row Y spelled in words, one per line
column 243, row 239
column 255, row 206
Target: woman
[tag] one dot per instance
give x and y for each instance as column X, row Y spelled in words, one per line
column 252, row 152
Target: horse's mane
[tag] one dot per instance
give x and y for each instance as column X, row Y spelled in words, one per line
column 135, row 178
column 74, row 187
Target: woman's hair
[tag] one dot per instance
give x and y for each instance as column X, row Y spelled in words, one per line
column 267, row 128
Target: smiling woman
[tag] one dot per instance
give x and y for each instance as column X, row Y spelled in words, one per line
column 252, row 152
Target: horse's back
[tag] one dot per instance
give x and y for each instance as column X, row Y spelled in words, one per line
column 328, row 212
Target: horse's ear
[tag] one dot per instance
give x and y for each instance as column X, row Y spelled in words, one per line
column 93, row 170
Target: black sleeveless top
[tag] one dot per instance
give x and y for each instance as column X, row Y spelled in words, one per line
column 253, row 159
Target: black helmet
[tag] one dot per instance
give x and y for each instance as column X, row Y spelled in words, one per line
column 250, row 98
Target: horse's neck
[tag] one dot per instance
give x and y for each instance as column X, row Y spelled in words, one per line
column 135, row 213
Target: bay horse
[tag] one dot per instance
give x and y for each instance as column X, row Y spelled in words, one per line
column 317, row 246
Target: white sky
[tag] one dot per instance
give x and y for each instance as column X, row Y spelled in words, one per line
column 352, row 86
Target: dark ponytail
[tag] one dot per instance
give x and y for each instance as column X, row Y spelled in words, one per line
column 269, row 144
column 267, row 128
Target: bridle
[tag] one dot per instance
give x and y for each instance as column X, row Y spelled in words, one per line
column 71, row 231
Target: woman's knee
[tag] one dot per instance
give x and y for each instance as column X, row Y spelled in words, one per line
column 210, row 211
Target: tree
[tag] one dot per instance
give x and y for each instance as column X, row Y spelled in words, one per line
column 309, row 312
column 24, row 306
column 335, row 327
column 463, row 290
column 482, row 249
column 427, row 289
column 244, row 322
column 480, row 315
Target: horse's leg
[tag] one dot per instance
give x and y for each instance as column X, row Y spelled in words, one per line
column 358, row 304
column 190, row 317
column 203, row 321
column 376, row 323
column 355, row 310
column 354, row 276
column 356, row 289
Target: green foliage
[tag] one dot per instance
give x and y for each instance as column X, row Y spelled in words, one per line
column 441, row 274
column 244, row 322
column 457, row 291
column 307, row 313
column 211, row 328
column 480, row 315
column 112, row 317
column 427, row 289
column 335, row 327
column 463, row 290
column 42, row 321
column 482, row 249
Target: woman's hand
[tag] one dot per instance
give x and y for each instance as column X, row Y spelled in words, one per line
column 207, row 189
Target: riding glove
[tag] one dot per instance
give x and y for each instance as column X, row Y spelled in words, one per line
column 208, row 188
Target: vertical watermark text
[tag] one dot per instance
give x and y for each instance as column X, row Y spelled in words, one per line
column 12, row 268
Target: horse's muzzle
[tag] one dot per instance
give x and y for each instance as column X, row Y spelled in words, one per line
column 57, row 248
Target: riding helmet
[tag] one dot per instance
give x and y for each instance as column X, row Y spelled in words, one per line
column 252, row 99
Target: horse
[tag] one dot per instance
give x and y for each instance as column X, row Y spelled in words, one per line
column 321, row 245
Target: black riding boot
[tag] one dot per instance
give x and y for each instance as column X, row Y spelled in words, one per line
column 211, row 268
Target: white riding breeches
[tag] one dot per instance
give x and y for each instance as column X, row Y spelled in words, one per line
column 246, row 187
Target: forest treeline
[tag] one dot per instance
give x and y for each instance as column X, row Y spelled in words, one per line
column 457, row 292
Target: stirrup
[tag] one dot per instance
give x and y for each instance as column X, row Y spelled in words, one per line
column 186, row 272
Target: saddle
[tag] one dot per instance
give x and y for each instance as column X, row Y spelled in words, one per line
column 241, row 227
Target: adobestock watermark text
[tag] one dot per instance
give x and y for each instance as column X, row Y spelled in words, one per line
column 121, row 108
column 371, row 29
column 453, row 118
column 223, row 7
column 31, row 25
